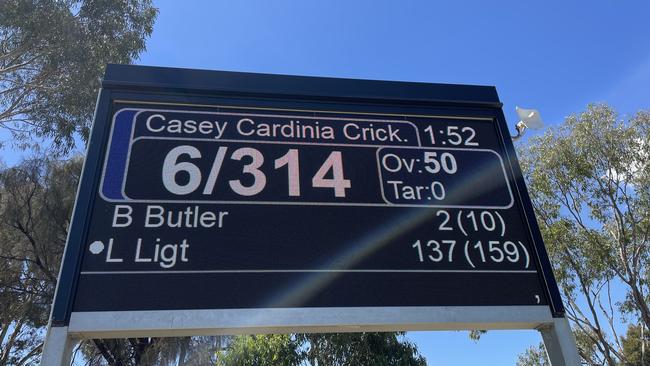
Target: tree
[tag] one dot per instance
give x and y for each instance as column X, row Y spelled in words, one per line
column 589, row 181
column 36, row 199
column 634, row 350
column 635, row 344
column 534, row 356
column 337, row 349
column 183, row 351
column 343, row 349
column 261, row 350
column 52, row 53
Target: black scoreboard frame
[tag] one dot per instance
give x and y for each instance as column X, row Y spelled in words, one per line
column 184, row 87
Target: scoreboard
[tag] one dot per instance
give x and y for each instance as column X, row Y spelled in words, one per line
column 264, row 193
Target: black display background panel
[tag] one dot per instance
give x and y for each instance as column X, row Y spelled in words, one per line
column 239, row 207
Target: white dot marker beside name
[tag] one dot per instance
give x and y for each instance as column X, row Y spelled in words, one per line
column 96, row 247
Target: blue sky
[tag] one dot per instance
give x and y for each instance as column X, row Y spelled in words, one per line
column 556, row 56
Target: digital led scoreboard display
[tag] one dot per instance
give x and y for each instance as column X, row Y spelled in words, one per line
column 274, row 203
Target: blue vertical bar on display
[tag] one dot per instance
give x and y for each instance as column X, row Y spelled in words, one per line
column 118, row 154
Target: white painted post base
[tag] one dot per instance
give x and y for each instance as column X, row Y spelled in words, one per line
column 57, row 349
column 560, row 343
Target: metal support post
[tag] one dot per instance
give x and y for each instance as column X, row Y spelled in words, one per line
column 57, row 350
column 560, row 343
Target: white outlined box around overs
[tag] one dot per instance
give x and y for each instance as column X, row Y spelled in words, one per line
column 426, row 204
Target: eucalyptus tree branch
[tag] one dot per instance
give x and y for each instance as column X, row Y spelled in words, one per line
column 597, row 328
column 14, row 67
column 35, row 351
column 609, row 316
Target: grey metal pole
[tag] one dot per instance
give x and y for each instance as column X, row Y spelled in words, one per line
column 560, row 343
column 57, row 350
